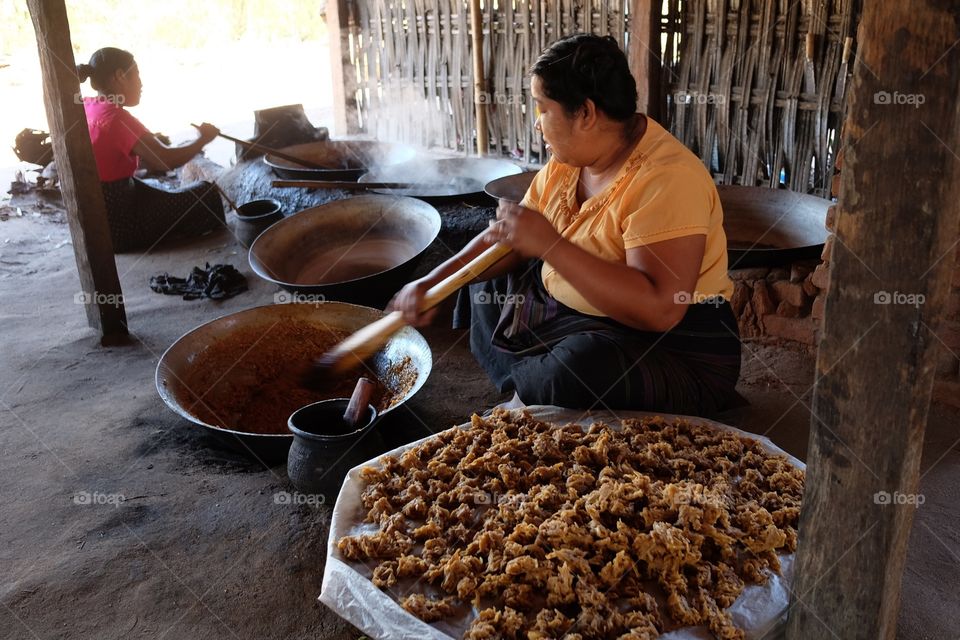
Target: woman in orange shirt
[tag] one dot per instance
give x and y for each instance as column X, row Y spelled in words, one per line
column 616, row 292
column 141, row 215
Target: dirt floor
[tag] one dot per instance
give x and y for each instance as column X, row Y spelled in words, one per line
column 201, row 545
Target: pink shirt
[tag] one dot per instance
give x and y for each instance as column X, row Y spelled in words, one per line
column 113, row 132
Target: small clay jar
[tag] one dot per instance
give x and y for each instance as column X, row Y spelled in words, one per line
column 254, row 217
column 325, row 447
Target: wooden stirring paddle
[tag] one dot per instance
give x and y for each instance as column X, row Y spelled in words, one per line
column 359, row 404
column 255, row 146
column 364, row 343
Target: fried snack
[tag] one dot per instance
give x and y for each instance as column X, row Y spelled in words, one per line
column 557, row 532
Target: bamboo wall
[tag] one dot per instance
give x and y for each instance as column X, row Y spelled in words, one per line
column 414, row 67
column 737, row 92
column 733, row 77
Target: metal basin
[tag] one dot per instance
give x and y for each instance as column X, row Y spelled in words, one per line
column 442, row 179
column 511, row 188
column 180, row 363
column 345, row 159
column 358, row 250
column 770, row 227
column 764, row 227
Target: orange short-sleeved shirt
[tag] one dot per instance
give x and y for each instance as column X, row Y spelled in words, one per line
column 662, row 192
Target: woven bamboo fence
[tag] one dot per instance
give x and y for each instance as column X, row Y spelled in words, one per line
column 734, row 77
column 741, row 93
column 414, row 67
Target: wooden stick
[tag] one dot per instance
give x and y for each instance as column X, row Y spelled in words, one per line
column 255, row 146
column 233, row 205
column 365, row 342
column 359, row 402
column 343, row 184
column 480, row 97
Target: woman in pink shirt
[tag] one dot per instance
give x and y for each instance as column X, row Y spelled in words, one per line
column 140, row 215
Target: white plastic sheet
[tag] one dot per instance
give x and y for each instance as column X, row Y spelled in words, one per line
column 347, row 588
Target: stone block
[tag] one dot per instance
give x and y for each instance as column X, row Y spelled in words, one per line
column 821, row 276
column 785, row 291
column 754, row 273
column 761, row 300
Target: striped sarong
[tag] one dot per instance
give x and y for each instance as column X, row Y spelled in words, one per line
column 548, row 353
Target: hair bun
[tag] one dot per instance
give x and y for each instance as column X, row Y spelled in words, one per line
column 84, row 71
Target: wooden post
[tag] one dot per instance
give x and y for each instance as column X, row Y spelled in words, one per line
column 82, row 195
column 643, row 55
column 897, row 223
column 480, row 97
column 343, row 74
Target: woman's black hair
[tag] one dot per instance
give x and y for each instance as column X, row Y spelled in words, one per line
column 104, row 63
column 584, row 66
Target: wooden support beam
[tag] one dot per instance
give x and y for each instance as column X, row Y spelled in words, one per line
column 343, row 74
column 898, row 219
column 643, row 55
column 79, row 182
column 480, row 97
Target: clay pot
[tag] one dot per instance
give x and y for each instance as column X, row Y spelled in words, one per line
column 254, row 217
column 325, row 447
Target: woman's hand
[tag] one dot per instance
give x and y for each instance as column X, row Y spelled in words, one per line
column 207, row 132
column 524, row 230
column 408, row 300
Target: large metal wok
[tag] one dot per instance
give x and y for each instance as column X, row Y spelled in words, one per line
column 346, row 159
column 179, row 362
column 764, row 227
column 360, row 249
column 771, row 227
column 441, row 178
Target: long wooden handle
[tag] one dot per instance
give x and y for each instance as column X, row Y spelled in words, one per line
column 365, row 342
column 473, row 269
column 341, row 184
column 359, row 402
column 254, row 146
